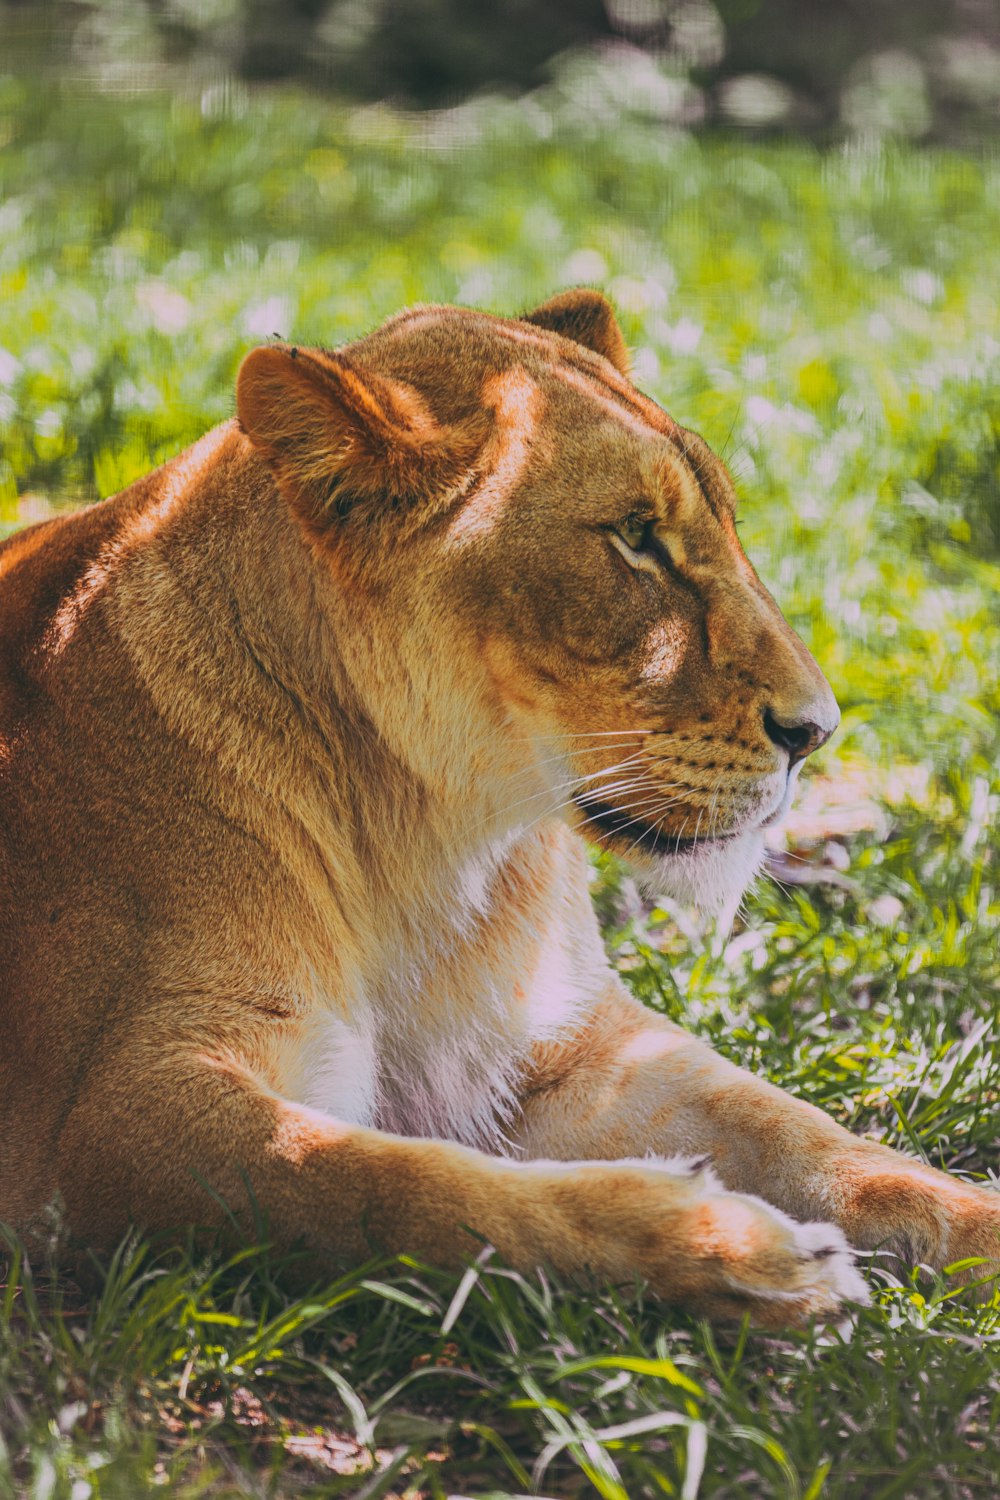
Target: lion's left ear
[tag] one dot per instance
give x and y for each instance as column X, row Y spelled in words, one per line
column 336, row 434
column 588, row 318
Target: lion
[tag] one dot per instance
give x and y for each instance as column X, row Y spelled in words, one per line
column 303, row 737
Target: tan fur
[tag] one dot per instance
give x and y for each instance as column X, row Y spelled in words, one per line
column 298, row 739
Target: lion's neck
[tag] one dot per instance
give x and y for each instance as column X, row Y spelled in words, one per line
column 320, row 719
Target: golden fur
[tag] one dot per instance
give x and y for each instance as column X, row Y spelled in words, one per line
column 298, row 739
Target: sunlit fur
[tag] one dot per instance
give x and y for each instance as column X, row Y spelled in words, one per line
column 300, row 740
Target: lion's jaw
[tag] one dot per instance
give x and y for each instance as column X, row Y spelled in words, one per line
column 713, row 876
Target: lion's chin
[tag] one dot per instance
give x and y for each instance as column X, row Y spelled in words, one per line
column 712, row 876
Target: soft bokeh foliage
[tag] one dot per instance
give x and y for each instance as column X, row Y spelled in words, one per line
column 829, row 321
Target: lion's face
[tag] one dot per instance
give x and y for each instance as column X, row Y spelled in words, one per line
column 583, row 546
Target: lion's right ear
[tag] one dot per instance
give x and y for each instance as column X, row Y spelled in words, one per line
column 587, row 317
column 335, row 433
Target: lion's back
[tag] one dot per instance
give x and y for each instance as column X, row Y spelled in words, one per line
column 43, row 855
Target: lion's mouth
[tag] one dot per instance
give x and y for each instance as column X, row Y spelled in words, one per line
column 614, row 823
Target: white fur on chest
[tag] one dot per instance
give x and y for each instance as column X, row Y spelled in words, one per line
column 334, row 1070
column 439, row 1032
column 446, row 1068
column 410, row 1080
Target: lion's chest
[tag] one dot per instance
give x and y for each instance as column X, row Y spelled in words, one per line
column 431, row 1036
column 414, row 1079
column 440, row 1063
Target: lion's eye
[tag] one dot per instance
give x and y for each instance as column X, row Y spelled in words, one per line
column 636, row 532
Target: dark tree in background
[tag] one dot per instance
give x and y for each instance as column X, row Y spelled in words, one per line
column 422, row 52
column 825, row 49
column 923, row 68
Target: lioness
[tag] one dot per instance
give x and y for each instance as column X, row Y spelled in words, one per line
column 301, row 737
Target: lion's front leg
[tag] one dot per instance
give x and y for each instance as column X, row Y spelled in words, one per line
column 204, row 1143
column 629, row 1082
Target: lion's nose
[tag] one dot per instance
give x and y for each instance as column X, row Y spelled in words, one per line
column 800, row 737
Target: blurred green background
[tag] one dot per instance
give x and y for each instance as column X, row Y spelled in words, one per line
column 796, row 209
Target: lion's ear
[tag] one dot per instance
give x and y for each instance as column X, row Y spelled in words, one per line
column 334, row 433
column 587, row 317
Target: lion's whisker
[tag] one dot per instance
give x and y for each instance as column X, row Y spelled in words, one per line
column 558, row 759
column 557, row 806
column 560, row 786
column 649, row 822
column 598, row 793
column 591, row 734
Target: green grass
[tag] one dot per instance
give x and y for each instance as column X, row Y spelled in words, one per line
column 829, row 321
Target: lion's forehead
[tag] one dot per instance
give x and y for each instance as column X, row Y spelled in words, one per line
column 563, row 415
column 452, row 353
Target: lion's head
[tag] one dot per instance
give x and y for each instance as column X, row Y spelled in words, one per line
column 498, row 496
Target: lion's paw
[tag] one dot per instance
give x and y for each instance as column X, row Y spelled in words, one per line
column 780, row 1271
column 973, row 1224
column 718, row 1253
column 725, row 1254
column 920, row 1214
